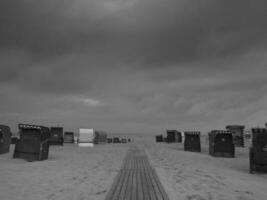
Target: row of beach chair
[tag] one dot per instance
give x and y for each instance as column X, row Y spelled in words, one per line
column 222, row 143
column 33, row 141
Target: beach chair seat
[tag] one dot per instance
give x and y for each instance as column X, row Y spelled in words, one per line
column 192, row 141
column 221, row 143
column 56, row 137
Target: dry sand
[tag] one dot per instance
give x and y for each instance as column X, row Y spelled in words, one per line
column 199, row 176
column 70, row 173
column 87, row 173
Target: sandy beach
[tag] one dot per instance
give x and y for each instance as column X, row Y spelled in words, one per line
column 199, row 176
column 135, row 69
column 69, row 173
column 87, row 173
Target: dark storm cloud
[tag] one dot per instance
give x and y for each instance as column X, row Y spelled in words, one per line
column 150, row 31
column 133, row 64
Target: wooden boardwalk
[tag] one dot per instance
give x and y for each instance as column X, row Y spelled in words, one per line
column 136, row 180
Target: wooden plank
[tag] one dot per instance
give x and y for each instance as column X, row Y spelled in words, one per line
column 126, row 163
column 141, row 163
column 124, row 185
column 136, row 180
column 134, row 187
column 154, row 185
column 135, row 163
column 119, row 186
column 129, row 186
column 157, row 183
column 162, row 190
column 149, row 183
column 138, row 163
column 140, row 192
column 114, row 185
column 144, row 185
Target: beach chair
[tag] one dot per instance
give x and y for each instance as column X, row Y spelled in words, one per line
column 116, row 140
column 192, row 141
column 109, row 140
column 159, row 138
column 86, row 137
column 100, row 137
column 33, row 144
column 56, row 137
column 5, row 139
column 123, row 140
column 68, row 137
column 238, row 134
column 258, row 150
column 174, row 136
column 221, row 144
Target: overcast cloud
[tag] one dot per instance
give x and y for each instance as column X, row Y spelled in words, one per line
column 132, row 65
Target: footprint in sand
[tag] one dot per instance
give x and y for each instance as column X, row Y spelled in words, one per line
column 244, row 195
column 101, row 192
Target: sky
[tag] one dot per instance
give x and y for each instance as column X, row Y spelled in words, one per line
column 133, row 66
